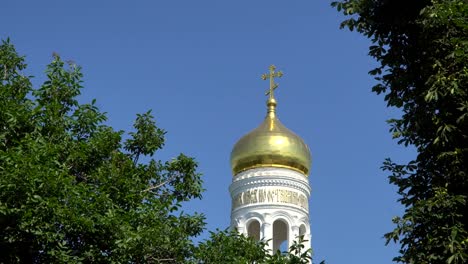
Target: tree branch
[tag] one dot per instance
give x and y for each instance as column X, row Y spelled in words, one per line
column 160, row 184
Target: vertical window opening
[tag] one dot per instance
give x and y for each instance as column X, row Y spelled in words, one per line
column 280, row 236
column 253, row 230
column 302, row 230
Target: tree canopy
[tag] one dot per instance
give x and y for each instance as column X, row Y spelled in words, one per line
column 74, row 190
column 422, row 48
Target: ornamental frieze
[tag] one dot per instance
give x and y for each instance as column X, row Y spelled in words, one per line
column 254, row 196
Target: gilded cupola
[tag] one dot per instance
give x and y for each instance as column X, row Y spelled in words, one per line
column 271, row 144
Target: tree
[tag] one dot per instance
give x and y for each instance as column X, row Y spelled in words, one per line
column 231, row 247
column 422, row 48
column 72, row 190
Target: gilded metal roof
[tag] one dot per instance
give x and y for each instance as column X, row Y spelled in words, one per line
column 271, row 145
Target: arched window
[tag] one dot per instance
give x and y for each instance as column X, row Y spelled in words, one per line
column 302, row 230
column 253, row 229
column 280, row 235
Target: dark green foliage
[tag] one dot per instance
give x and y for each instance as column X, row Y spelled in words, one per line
column 422, row 47
column 73, row 191
column 69, row 193
column 230, row 247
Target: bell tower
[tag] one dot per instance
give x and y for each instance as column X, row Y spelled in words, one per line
column 270, row 187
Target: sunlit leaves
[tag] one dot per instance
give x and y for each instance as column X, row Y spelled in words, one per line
column 231, row 247
column 69, row 193
column 147, row 139
column 422, row 48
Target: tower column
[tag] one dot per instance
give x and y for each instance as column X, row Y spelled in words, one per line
column 293, row 234
column 267, row 233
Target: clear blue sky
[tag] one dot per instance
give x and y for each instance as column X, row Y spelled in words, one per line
column 197, row 64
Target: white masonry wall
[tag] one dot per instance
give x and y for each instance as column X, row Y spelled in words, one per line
column 269, row 194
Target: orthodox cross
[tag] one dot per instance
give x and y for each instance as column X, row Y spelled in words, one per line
column 272, row 76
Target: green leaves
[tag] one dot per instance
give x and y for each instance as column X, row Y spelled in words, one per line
column 69, row 193
column 228, row 246
column 147, row 138
column 443, row 211
column 422, row 50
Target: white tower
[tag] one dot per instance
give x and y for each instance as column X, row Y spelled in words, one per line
column 270, row 187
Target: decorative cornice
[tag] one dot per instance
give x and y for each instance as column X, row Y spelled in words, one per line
column 270, row 208
column 277, row 181
column 273, row 171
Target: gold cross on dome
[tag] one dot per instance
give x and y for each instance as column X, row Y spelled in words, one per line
column 272, row 76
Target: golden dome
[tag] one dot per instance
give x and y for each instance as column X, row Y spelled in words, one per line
column 271, row 145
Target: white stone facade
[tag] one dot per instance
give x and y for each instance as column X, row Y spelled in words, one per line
column 271, row 203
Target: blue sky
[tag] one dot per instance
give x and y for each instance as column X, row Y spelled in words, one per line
column 197, row 65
